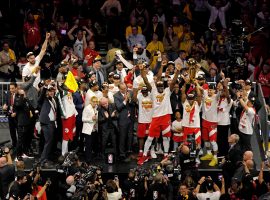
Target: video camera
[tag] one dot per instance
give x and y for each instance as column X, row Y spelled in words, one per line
column 191, row 143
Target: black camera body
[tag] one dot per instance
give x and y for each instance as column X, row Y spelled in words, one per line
column 191, row 143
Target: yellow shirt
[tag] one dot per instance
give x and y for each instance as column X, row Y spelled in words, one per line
column 129, row 31
column 153, row 48
column 186, row 42
column 178, row 29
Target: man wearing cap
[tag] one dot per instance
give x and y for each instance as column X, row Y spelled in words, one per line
column 145, row 103
column 113, row 88
column 68, row 116
column 99, row 69
column 161, row 118
column 191, row 113
column 92, row 91
column 209, row 123
column 63, row 69
column 140, row 54
column 120, row 70
column 246, row 122
column 250, row 94
column 33, row 62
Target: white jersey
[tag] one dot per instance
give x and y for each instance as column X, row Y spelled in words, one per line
column 247, row 121
column 78, row 48
column 138, row 81
column 145, row 108
column 143, row 57
column 161, row 102
column 191, row 115
column 224, row 112
column 209, row 108
column 69, row 106
column 28, row 68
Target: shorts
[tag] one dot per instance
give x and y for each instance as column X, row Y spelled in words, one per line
column 69, row 128
column 160, row 124
column 143, row 130
column 209, row 131
column 191, row 131
column 178, row 137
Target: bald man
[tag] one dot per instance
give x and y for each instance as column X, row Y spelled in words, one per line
column 71, row 190
column 247, row 161
column 107, row 120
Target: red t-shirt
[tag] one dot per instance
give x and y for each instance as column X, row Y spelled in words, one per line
column 32, row 32
column 75, row 72
column 92, row 53
column 265, row 79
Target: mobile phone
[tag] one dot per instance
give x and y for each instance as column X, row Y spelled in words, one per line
column 220, row 177
column 63, row 32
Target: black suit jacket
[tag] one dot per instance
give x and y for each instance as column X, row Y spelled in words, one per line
column 233, row 159
column 45, row 109
column 159, row 31
column 79, row 105
column 176, row 101
column 8, row 101
column 22, row 108
column 105, row 122
column 126, row 112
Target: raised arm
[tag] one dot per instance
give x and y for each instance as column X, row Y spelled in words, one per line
column 159, row 74
column 183, row 93
column 70, row 36
column 175, row 77
column 145, row 79
column 44, row 46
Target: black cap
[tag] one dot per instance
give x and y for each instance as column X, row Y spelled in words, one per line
column 144, row 89
column 111, row 74
column 116, row 76
column 201, row 77
column 118, row 62
column 190, row 96
column 63, row 64
column 248, row 82
column 252, row 99
column 212, row 86
column 27, row 78
column 160, row 84
column 81, row 81
column 92, row 83
column 170, row 63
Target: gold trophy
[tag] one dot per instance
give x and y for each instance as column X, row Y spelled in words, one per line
column 192, row 69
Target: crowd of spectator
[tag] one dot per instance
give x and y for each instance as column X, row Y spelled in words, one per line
column 87, row 75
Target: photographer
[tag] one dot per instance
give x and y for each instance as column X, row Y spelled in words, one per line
column 213, row 191
column 130, row 186
column 7, row 172
column 16, row 189
column 158, row 189
column 113, row 189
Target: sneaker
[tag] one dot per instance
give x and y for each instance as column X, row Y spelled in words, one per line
column 26, row 156
column 142, row 160
column 198, row 161
column 207, row 157
column 153, row 154
column 213, row 162
column 160, row 151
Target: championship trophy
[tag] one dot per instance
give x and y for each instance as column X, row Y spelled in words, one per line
column 192, row 69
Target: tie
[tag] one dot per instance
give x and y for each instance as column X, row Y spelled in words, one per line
column 12, row 100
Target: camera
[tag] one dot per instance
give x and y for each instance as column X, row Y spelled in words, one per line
column 191, row 143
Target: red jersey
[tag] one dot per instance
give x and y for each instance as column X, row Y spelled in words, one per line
column 92, row 53
column 32, row 32
column 265, row 79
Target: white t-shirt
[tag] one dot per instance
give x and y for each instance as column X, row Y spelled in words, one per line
column 224, row 112
column 138, row 81
column 90, row 94
column 247, row 121
column 161, row 102
column 209, row 108
column 145, row 108
column 211, row 195
column 27, row 71
column 177, row 126
column 195, row 121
